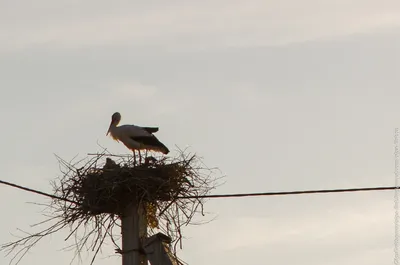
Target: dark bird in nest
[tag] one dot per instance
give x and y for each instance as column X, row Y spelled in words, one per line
column 135, row 137
column 110, row 164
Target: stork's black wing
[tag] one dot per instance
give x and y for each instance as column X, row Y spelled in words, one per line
column 151, row 129
column 150, row 141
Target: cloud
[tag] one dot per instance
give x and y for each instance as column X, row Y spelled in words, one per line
column 329, row 226
column 323, row 123
column 199, row 25
column 342, row 231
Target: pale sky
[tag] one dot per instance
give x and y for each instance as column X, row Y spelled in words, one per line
column 279, row 95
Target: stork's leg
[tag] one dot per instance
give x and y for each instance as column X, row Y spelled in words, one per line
column 134, row 157
column 140, row 157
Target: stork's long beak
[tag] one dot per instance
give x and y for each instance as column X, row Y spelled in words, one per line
column 109, row 128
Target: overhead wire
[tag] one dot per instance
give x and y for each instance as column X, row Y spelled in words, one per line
column 291, row 192
column 234, row 195
column 34, row 191
column 396, row 197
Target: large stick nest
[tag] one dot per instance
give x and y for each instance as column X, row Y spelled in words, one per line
column 112, row 187
column 93, row 194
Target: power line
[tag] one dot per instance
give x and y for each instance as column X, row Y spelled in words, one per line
column 396, row 196
column 289, row 192
column 34, row 191
column 237, row 195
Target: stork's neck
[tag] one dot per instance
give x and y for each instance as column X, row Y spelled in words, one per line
column 114, row 130
column 113, row 126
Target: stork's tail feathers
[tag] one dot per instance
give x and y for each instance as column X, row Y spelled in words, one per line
column 164, row 149
column 160, row 147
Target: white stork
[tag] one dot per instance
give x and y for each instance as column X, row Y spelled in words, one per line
column 135, row 137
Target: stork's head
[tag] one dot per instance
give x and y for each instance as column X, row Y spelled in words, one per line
column 115, row 119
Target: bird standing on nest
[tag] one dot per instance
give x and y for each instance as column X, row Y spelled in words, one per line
column 135, row 137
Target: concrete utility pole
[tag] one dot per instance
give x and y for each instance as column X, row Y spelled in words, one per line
column 133, row 227
column 158, row 250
